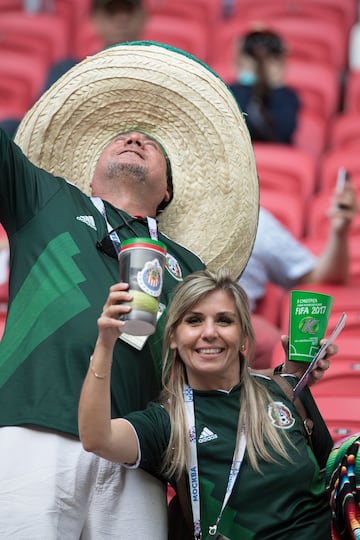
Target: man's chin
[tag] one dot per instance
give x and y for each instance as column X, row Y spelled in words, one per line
column 118, row 170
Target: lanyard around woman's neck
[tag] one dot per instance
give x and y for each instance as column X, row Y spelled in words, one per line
column 151, row 222
column 193, row 472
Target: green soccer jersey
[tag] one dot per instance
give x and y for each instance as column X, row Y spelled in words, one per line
column 287, row 500
column 59, row 282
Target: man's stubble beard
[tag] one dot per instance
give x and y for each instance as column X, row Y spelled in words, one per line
column 130, row 171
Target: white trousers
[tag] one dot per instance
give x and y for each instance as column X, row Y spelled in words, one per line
column 51, row 489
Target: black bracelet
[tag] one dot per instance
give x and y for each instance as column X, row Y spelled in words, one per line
column 278, row 369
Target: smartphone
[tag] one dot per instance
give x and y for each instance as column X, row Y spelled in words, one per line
column 342, row 178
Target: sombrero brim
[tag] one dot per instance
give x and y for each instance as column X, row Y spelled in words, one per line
column 180, row 102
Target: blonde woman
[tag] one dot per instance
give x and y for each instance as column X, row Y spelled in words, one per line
column 235, row 434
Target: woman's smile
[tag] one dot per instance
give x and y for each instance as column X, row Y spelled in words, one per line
column 209, row 342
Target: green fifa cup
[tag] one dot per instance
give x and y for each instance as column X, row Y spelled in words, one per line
column 142, row 265
column 308, row 320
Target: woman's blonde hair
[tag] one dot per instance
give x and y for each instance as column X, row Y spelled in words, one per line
column 254, row 396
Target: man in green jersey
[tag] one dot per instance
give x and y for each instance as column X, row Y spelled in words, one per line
column 168, row 109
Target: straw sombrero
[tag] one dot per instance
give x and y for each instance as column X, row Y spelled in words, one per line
column 170, row 95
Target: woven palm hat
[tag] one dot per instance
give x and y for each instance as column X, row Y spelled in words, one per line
column 188, row 109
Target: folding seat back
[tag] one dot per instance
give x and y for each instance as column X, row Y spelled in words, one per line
column 188, row 35
column 345, row 131
column 334, row 159
column 43, row 35
column 352, row 92
column 341, row 12
column 312, row 41
column 269, row 306
column 26, row 72
column 341, row 414
column 86, row 41
column 15, row 94
column 72, row 13
column 203, row 13
column 311, row 133
column 11, row 5
column 317, row 85
column 342, row 379
column 287, row 207
column 285, row 168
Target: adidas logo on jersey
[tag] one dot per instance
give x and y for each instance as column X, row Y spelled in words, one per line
column 207, row 435
column 89, row 220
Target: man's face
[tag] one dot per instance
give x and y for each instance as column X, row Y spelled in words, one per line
column 120, row 26
column 135, row 160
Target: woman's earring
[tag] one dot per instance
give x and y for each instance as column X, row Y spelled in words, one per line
column 242, row 348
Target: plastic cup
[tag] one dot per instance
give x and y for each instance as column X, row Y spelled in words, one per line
column 142, row 264
column 309, row 317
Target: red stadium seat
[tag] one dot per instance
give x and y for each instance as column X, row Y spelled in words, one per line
column 340, row 12
column 25, row 74
column 347, row 343
column 72, row 13
column 341, row 414
column 86, row 41
column 285, row 169
column 204, row 13
column 14, row 110
column 11, row 5
column 342, row 379
column 355, row 263
column 188, row 35
column 332, row 160
column 317, row 85
column 269, row 305
column 306, row 40
column 207, row 10
column 352, row 326
column 288, row 208
column 313, row 41
column 43, row 35
column 311, row 133
column 345, row 131
column 15, row 98
column 352, row 92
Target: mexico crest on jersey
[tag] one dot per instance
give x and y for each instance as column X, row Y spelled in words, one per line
column 173, row 267
column 280, row 415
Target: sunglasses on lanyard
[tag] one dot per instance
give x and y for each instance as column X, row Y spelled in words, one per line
column 106, row 244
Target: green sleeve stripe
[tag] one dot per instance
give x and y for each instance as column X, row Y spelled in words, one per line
column 53, row 280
